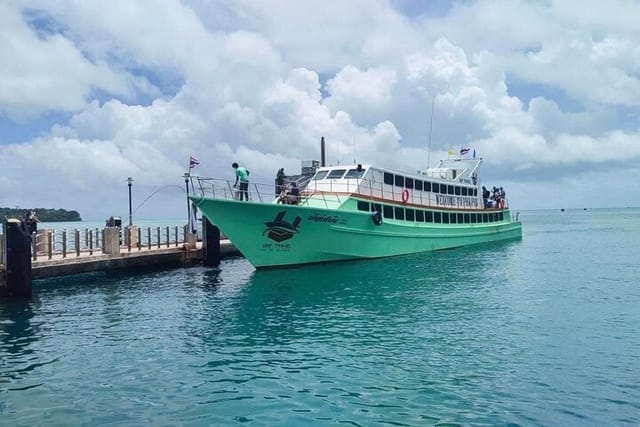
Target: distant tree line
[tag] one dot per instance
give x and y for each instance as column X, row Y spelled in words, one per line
column 43, row 214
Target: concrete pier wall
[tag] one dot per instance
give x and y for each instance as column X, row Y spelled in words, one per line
column 161, row 258
column 111, row 241
column 72, row 252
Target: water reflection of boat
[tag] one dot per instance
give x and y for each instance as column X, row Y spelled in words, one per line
column 361, row 211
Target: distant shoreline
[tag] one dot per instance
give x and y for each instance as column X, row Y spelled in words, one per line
column 42, row 214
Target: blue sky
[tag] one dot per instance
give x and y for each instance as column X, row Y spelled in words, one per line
column 90, row 93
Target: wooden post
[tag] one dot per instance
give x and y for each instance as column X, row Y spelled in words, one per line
column 17, row 276
column 50, row 243
column 64, row 243
column 211, row 247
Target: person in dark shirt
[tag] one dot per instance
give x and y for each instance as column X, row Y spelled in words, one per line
column 485, row 196
column 291, row 197
column 280, row 181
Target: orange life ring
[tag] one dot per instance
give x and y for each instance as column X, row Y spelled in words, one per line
column 405, row 195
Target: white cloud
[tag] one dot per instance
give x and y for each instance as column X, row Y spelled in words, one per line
column 50, row 73
column 263, row 83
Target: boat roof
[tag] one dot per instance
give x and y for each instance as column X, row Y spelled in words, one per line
column 465, row 169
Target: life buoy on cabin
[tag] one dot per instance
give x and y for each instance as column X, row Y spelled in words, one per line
column 405, row 195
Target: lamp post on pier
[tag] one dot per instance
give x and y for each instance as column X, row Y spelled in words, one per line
column 129, row 181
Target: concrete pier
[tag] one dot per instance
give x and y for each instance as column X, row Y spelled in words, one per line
column 66, row 253
column 181, row 256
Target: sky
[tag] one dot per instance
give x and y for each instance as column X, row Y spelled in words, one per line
column 91, row 92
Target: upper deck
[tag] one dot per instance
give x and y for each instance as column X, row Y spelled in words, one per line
column 450, row 185
column 453, row 184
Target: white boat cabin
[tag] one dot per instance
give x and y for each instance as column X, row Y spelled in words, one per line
column 452, row 184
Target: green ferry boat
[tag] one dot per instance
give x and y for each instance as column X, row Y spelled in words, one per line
column 359, row 212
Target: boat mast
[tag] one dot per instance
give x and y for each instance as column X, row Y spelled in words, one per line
column 433, row 101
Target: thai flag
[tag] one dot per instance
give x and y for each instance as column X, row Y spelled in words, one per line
column 193, row 162
column 464, row 151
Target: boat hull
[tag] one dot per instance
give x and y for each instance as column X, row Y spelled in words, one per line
column 275, row 235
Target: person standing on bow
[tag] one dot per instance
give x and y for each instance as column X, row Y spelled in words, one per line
column 242, row 176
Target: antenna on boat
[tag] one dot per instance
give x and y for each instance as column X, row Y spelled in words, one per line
column 433, row 102
column 354, row 150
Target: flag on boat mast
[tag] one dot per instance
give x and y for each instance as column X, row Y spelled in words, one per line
column 464, row 151
column 193, row 162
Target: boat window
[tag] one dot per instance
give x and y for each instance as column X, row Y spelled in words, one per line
column 363, row 206
column 436, row 187
column 417, row 185
column 464, row 191
column 409, row 214
column 480, row 218
column 460, row 218
column 475, row 192
column 320, row 175
column 399, row 213
column 420, row 216
column 399, row 181
column 473, row 218
column 428, row 216
column 457, row 190
column 445, row 217
column 387, row 211
column 354, row 173
column 427, row 186
column 485, row 217
column 449, row 189
column 408, row 182
column 336, row 174
column 437, row 217
column 466, row 218
column 500, row 216
column 453, row 218
column 376, row 207
column 388, row 178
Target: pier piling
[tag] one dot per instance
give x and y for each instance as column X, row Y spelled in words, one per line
column 211, row 247
column 16, row 281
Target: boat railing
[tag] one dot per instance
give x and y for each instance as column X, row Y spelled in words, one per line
column 331, row 193
column 50, row 242
column 224, row 189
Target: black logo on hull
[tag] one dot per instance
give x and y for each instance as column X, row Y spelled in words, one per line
column 279, row 230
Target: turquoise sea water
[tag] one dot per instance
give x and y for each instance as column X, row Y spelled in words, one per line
column 543, row 331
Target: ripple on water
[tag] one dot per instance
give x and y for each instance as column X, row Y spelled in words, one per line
column 517, row 333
